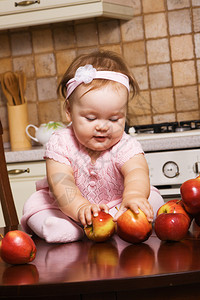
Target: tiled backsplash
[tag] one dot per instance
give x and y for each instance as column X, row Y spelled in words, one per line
column 161, row 44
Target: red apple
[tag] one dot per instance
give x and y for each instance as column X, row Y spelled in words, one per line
column 190, row 193
column 133, row 228
column 102, row 228
column 174, row 206
column 171, row 226
column 17, row 247
column 20, row 275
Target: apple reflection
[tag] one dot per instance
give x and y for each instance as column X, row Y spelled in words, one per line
column 20, row 275
column 103, row 259
column 174, row 256
column 137, row 260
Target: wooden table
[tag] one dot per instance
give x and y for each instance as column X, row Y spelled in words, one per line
column 112, row 270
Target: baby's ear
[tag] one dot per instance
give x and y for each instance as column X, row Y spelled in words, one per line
column 68, row 111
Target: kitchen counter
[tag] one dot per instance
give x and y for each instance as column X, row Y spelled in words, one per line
column 149, row 143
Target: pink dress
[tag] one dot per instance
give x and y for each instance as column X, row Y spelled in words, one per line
column 99, row 182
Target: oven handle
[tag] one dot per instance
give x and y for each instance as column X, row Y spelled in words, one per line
column 170, row 192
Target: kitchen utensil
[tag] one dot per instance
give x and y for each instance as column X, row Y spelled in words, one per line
column 21, row 76
column 12, row 85
column 43, row 133
column 5, row 91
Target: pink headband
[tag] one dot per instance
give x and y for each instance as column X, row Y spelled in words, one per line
column 87, row 73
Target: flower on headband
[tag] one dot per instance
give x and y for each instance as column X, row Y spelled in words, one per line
column 85, row 74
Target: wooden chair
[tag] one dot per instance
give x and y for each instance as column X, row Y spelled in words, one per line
column 6, row 197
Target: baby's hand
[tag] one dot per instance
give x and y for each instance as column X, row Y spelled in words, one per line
column 86, row 211
column 134, row 204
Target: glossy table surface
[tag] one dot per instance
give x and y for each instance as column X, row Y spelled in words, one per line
column 85, row 267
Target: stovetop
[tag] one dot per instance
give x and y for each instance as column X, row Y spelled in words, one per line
column 164, row 130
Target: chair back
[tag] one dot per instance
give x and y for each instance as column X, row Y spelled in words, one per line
column 6, row 197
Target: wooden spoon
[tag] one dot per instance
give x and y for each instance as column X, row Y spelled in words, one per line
column 5, row 91
column 12, row 85
column 22, row 83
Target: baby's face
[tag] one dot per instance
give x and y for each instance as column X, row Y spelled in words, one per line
column 98, row 116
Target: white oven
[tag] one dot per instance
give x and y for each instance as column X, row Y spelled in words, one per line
column 170, row 168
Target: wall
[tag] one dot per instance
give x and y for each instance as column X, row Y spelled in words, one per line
column 161, row 44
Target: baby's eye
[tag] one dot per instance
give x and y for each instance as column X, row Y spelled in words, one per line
column 90, row 118
column 114, row 119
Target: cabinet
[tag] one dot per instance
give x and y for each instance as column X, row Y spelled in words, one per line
column 23, row 182
column 36, row 12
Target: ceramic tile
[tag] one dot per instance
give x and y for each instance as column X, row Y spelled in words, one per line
column 87, row 50
column 186, row 98
column 160, row 76
column 25, row 64
column 30, row 91
column 187, row 116
column 198, row 70
column 141, row 76
column 162, row 101
column 32, row 113
column 195, row 2
column 134, row 53
column 182, row 47
column 132, row 30
column 47, row 88
column 171, row 4
column 62, row 111
column 157, row 51
column 115, row 48
column 197, row 44
column 5, row 50
column 140, row 105
column 5, row 65
column 49, row 111
column 140, row 120
column 162, row 118
column 86, row 34
column 45, row 65
column 153, row 6
column 4, row 116
column 6, row 136
column 184, row 73
column 179, row 22
column 137, row 7
column 3, row 99
column 42, row 40
column 64, row 37
column 109, row 32
column 64, row 59
column 155, row 25
column 196, row 19
column 17, row 40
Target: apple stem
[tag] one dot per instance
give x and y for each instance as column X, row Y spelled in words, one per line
column 116, row 208
column 1, row 235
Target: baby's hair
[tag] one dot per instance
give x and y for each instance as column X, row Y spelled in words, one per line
column 101, row 61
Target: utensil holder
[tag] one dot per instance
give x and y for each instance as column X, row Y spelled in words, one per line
column 18, row 120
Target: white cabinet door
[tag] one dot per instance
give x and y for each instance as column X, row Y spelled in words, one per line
column 23, row 184
column 15, row 14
